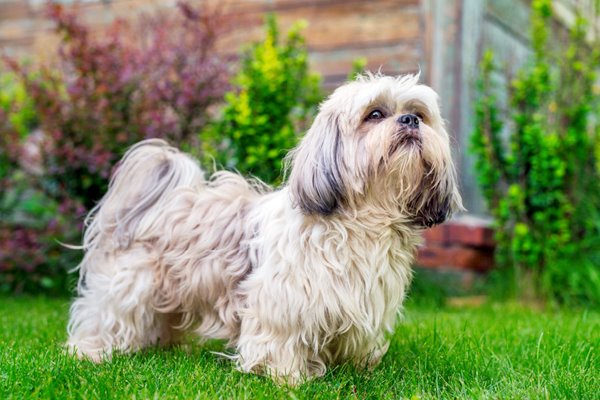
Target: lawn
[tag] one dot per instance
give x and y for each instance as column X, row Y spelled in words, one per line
column 490, row 351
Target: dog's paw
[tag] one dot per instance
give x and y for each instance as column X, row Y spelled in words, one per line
column 88, row 353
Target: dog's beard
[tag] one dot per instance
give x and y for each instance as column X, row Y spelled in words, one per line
column 403, row 173
column 414, row 179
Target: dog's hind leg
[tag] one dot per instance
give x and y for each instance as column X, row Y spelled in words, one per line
column 115, row 307
column 114, row 311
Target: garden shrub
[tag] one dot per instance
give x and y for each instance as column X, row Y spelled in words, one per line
column 154, row 78
column 273, row 102
column 16, row 106
column 538, row 171
column 31, row 258
column 8, row 133
column 17, row 119
column 32, row 227
column 358, row 68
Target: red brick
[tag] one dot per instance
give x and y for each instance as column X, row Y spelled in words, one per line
column 470, row 235
column 471, row 258
column 438, row 234
column 455, row 257
column 434, row 256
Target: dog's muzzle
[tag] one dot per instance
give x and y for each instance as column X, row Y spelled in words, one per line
column 409, row 131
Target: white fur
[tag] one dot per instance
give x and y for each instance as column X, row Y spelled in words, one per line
column 297, row 279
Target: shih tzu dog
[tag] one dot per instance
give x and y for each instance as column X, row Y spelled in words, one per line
column 296, row 279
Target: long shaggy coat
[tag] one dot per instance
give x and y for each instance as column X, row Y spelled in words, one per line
column 296, row 279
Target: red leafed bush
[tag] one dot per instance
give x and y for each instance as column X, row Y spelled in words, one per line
column 31, row 221
column 156, row 77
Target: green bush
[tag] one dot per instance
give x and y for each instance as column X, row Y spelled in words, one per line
column 16, row 105
column 17, row 118
column 274, row 100
column 538, row 171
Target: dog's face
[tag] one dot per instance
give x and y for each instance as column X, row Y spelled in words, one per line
column 379, row 143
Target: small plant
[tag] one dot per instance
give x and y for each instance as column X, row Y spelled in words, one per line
column 16, row 106
column 358, row 67
column 274, row 100
column 539, row 172
column 17, row 119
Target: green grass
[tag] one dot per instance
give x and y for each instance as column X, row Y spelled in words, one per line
column 493, row 351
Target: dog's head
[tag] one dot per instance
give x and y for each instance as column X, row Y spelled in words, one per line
column 378, row 142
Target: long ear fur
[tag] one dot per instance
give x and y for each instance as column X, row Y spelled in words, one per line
column 438, row 199
column 434, row 212
column 316, row 178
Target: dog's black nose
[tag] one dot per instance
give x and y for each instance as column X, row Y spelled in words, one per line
column 410, row 120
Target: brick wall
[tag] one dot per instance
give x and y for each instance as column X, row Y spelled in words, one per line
column 386, row 32
column 463, row 244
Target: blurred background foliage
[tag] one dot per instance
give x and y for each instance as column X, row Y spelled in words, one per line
column 63, row 126
column 153, row 78
column 275, row 98
column 538, row 164
column 31, row 220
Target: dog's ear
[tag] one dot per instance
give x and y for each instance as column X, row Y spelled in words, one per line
column 434, row 212
column 316, row 178
column 437, row 200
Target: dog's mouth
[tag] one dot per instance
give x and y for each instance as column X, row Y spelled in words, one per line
column 406, row 138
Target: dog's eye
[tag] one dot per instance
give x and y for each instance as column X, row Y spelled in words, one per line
column 420, row 115
column 375, row 115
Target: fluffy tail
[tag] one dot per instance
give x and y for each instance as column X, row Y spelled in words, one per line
column 147, row 174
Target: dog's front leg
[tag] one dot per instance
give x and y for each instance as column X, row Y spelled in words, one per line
column 278, row 337
column 285, row 360
column 376, row 354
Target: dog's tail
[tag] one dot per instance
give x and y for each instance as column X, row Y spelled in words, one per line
column 148, row 173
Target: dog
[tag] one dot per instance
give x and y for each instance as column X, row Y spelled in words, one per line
column 297, row 279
